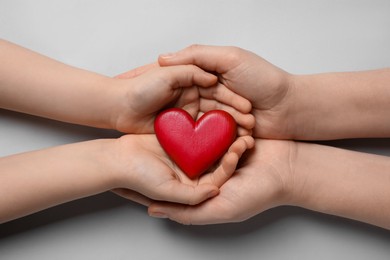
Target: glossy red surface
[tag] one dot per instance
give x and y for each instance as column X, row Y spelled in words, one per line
column 195, row 146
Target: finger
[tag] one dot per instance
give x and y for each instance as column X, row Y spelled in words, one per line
column 245, row 120
column 137, row 71
column 241, row 131
column 211, row 58
column 242, row 144
column 133, row 196
column 178, row 192
column 230, row 160
column 187, row 76
column 224, row 95
column 201, row 214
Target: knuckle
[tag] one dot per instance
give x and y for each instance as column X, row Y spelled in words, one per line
column 184, row 218
column 194, row 47
column 234, row 53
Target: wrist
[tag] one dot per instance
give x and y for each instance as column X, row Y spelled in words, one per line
column 115, row 162
column 298, row 192
column 122, row 161
column 101, row 155
column 116, row 101
column 311, row 114
column 287, row 109
column 123, row 99
column 289, row 190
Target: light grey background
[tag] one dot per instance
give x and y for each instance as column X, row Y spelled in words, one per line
column 110, row 37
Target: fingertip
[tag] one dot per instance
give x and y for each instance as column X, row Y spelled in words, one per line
column 241, row 131
column 174, row 212
column 169, row 58
column 200, row 77
column 246, row 106
column 209, row 191
column 242, row 144
column 247, row 121
column 200, row 193
column 163, row 59
column 158, row 210
column 188, row 76
column 211, row 79
column 250, row 141
column 251, row 121
column 213, row 193
column 231, row 162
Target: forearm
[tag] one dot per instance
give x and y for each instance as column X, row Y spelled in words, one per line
column 33, row 181
column 34, row 84
column 341, row 105
column 343, row 183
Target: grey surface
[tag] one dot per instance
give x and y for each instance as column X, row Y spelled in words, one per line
column 110, row 37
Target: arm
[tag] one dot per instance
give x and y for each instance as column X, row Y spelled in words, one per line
column 330, row 180
column 302, row 107
column 33, row 181
column 341, row 105
column 35, row 84
column 344, row 183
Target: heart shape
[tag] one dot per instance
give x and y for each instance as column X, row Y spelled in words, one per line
column 195, row 146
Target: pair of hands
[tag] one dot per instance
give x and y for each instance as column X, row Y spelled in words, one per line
column 154, row 175
column 258, row 183
column 198, row 79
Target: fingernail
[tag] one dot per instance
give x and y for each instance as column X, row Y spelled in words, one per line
column 167, row 55
column 213, row 193
column 158, row 215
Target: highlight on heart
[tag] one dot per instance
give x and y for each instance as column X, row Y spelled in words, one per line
column 195, row 145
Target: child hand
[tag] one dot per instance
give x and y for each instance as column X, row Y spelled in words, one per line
column 147, row 173
column 148, row 89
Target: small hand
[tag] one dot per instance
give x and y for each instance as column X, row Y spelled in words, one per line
column 263, row 84
column 262, row 181
column 148, row 174
column 150, row 88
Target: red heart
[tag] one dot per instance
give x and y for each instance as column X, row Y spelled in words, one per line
column 195, row 146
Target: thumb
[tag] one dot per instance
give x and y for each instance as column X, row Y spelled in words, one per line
column 186, row 76
column 137, row 71
column 209, row 58
column 202, row 214
column 186, row 194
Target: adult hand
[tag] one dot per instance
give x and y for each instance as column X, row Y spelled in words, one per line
column 263, row 84
column 263, row 180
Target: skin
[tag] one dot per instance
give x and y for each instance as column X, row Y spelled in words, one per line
column 299, row 107
column 35, row 84
column 320, row 178
column 325, row 179
column 133, row 164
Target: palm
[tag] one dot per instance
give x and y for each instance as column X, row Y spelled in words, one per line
column 156, row 167
column 157, row 177
column 264, row 86
column 143, row 107
column 257, row 185
column 248, row 75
